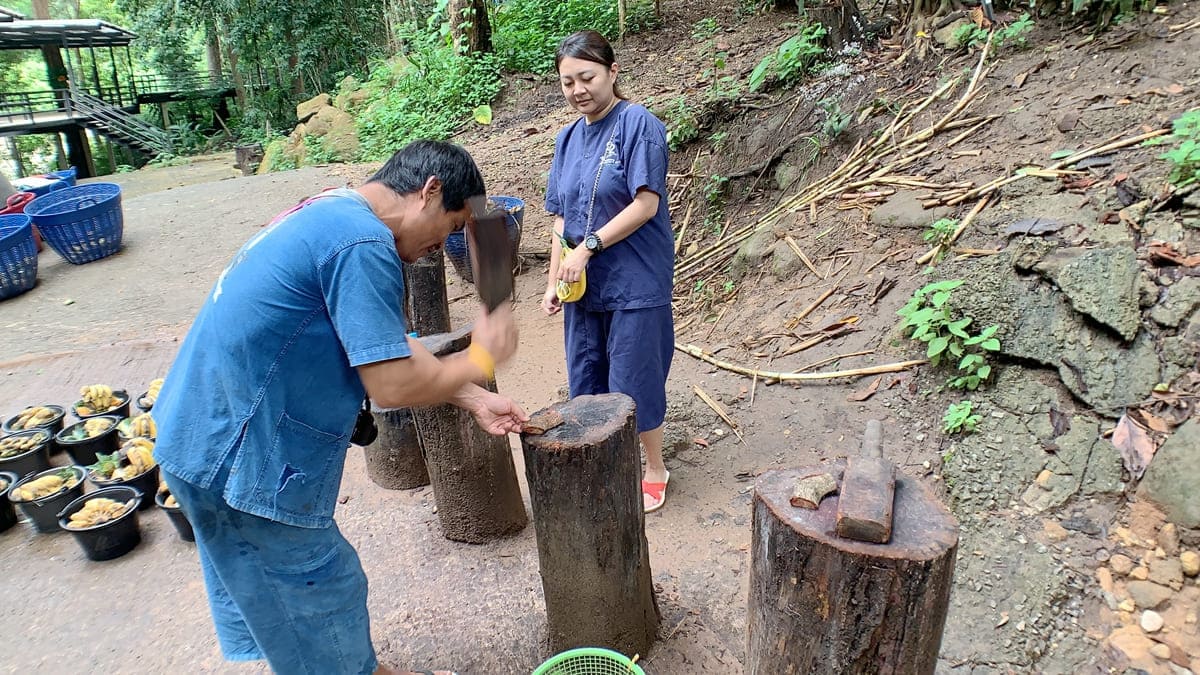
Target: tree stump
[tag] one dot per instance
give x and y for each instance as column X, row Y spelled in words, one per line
column 247, row 158
column 822, row 604
column 472, row 472
column 395, row 460
column 843, row 21
column 584, row 480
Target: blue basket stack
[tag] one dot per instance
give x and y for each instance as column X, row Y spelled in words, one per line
column 459, row 252
column 82, row 223
column 18, row 256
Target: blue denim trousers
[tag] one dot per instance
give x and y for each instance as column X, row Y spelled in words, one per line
column 294, row 596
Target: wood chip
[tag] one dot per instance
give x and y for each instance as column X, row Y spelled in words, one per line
column 810, row 490
column 542, row 422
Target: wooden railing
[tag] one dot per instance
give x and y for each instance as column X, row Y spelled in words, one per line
column 158, row 84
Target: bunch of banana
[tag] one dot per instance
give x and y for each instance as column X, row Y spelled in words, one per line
column 169, row 500
column 96, row 398
column 152, row 394
column 97, row 511
column 34, row 416
column 143, row 425
column 15, row 445
column 3, row 484
column 139, row 457
column 96, row 426
column 45, row 486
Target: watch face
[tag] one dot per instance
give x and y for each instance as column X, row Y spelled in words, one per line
column 591, row 242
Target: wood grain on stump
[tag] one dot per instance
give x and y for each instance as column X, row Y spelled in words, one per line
column 472, row 472
column 822, row 604
column 395, row 460
column 584, row 480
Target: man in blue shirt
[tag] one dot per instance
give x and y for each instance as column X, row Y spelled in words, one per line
column 257, row 411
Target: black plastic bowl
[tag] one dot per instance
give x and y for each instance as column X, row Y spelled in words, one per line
column 177, row 517
column 146, row 483
column 119, row 411
column 8, row 515
column 32, row 460
column 84, row 451
column 141, row 406
column 43, row 513
column 54, row 426
column 106, row 540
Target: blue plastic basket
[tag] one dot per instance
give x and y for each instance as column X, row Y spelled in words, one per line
column 456, row 244
column 67, row 175
column 18, row 256
column 81, row 223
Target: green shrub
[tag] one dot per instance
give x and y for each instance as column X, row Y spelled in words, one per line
column 525, row 33
column 794, row 59
column 927, row 315
column 429, row 97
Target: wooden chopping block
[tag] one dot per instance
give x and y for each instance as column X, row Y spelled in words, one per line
column 867, row 492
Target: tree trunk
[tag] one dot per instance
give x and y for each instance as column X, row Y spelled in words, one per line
column 213, row 55
column 822, row 604
column 469, row 25
column 585, row 487
column 396, row 460
column 474, row 480
column 844, row 23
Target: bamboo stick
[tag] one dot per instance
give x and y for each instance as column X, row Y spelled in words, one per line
column 693, row 350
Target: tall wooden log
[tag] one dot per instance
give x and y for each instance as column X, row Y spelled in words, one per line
column 584, row 484
column 472, row 472
column 428, row 306
column 396, row 460
column 822, row 604
column 843, row 21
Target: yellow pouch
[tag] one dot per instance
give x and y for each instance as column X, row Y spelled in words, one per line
column 570, row 292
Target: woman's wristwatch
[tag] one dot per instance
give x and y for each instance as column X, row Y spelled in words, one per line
column 593, row 243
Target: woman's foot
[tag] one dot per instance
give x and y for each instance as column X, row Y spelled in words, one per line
column 654, row 489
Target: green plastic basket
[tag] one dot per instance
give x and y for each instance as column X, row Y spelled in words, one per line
column 589, row 661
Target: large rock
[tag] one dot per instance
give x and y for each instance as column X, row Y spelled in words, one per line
column 1099, row 282
column 947, row 36
column 1181, row 300
column 1084, row 464
column 785, row 264
column 753, row 251
column 904, row 210
column 1171, row 479
column 310, row 107
column 1037, row 324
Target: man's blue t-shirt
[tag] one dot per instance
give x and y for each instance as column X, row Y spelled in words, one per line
column 629, row 147
column 267, row 371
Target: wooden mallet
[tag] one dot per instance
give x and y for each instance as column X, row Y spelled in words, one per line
column 867, row 492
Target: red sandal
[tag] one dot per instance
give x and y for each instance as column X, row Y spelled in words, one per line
column 657, row 492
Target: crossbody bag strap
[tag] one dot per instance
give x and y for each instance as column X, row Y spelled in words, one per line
column 600, row 169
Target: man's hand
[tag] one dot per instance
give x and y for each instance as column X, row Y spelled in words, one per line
column 496, row 332
column 496, row 414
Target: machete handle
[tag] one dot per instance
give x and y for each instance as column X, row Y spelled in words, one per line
column 872, row 444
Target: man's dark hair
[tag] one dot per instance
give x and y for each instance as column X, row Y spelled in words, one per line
column 408, row 169
column 588, row 45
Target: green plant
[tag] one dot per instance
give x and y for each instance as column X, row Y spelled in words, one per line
column 927, row 315
column 714, row 196
column 317, row 151
column 836, row 120
column 1015, row 35
column 705, row 28
column 794, row 58
column 1185, row 155
column 960, row 418
column 682, row 125
column 939, row 235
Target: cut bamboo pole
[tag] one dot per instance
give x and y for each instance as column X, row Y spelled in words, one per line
column 693, row 350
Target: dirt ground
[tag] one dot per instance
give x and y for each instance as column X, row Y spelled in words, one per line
column 1026, row 598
